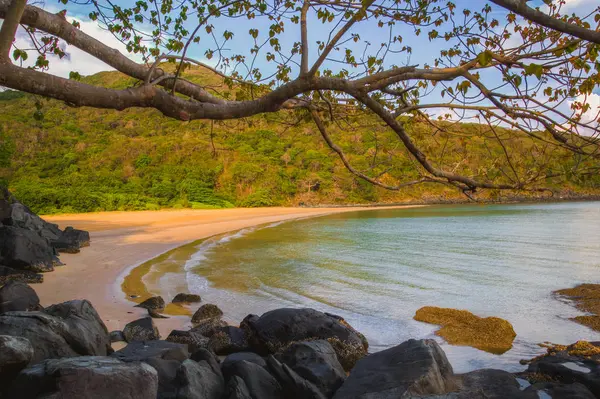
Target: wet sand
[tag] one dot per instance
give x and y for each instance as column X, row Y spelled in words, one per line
column 124, row 240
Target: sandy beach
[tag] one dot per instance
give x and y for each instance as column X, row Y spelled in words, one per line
column 123, row 240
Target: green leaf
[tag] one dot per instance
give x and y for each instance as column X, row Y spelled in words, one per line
column 484, row 58
column 534, row 69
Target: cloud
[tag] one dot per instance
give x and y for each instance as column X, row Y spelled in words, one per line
column 591, row 116
column 76, row 59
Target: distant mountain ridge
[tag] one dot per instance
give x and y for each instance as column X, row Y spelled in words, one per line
column 57, row 158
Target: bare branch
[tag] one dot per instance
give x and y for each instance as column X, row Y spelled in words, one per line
column 12, row 18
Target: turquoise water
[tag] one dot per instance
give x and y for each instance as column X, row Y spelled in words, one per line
column 376, row 268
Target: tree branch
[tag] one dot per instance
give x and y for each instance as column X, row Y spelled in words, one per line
column 12, row 18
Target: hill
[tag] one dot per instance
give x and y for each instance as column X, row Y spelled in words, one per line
column 57, row 158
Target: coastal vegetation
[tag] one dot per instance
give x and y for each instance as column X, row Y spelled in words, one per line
column 60, row 159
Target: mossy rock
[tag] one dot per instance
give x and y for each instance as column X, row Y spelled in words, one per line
column 586, row 297
column 205, row 312
column 461, row 327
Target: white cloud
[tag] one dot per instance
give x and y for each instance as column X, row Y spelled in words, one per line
column 591, row 116
column 76, row 59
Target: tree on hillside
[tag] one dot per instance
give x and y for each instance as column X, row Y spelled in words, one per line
column 517, row 69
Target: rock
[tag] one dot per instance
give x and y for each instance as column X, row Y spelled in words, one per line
column 141, row 330
column 275, row 330
column 415, row 367
column 22, row 217
column 15, row 355
column 26, row 250
column 490, row 384
column 71, row 240
column 165, row 357
column 186, row 298
column 196, row 380
column 205, row 312
column 210, row 358
column 117, row 336
column 86, row 377
column 570, row 364
column 154, row 303
column 194, row 341
column 65, row 330
column 293, row 386
column 227, row 340
column 207, row 327
column 259, row 382
column 316, row 362
column 236, row 389
column 247, row 356
column 460, row 327
column 8, row 274
column 155, row 315
column 15, row 296
column 560, row 391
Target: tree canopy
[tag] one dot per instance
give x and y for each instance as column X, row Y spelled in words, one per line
column 519, row 69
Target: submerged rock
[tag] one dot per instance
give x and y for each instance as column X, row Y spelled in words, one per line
column 206, row 312
column 15, row 296
column 275, row 330
column 89, row 377
column 186, row 298
column 141, row 330
column 586, row 297
column 413, row 368
column 460, row 327
column 154, row 303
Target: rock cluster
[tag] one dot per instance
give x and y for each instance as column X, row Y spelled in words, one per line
column 63, row 351
column 29, row 245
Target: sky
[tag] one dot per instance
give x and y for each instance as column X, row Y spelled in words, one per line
column 424, row 51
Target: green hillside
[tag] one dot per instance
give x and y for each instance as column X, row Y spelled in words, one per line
column 57, row 158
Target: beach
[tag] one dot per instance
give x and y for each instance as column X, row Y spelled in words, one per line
column 121, row 241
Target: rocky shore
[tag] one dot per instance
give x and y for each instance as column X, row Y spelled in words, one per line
column 65, row 351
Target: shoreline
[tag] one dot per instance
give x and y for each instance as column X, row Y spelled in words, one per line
column 122, row 241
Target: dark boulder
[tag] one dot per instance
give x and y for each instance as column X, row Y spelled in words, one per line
column 26, row 250
column 186, row 298
column 210, row 358
column 293, row 386
column 154, row 303
column 86, row 377
column 6, row 200
column 141, row 330
column 197, row 380
column 194, row 341
column 165, row 357
column 15, row 296
column 247, row 356
column 576, row 363
column 315, row 361
column 275, row 330
column 15, row 355
column 259, row 382
column 71, row 240
column 490, row 384
column 236, row 389
column 417, row 368
column 206, row 312
column 227, row 340
column 207, row 327
column 22, row 217
column 65, row 330
column 560, row 391
column 117, row 336
column 8, row 274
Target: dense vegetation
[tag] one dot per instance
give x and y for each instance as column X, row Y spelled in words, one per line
column 58, row 158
